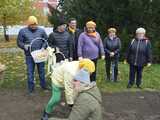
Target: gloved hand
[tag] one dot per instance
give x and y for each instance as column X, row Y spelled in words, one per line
column 112, row 54
column 103, row 57
column 80, row 58
column 149, row 64
column 26, row 47
column 70, row 59
column 125, row 61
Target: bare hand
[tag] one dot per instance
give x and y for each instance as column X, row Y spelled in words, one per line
column 112, row 54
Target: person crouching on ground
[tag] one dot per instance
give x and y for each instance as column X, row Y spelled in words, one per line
column 138, row 55
column 88, row 102
column 62, row 77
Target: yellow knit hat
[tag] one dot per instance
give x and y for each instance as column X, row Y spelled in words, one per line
column 32, row 20
column 90, row 24
column 112, row 30
column 87, row 64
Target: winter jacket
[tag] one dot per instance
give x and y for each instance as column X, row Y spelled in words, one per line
column 74, row 42
column 90, row 47
column 87, row 106
column 112, row 46
column 139, row 52
column 26, row 36
column 62, row 40
column 62, row 77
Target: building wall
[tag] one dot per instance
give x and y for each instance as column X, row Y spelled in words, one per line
column 43, row 5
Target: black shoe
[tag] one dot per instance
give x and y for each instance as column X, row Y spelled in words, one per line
column 129, row 86
column 31, row 93
column 139, row 87
column 108, row 79
column 45, row 116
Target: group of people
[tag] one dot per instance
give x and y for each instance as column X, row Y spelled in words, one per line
column 82, row 49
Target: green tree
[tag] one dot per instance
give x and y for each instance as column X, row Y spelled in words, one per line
column 125, row 15
column 13, row 12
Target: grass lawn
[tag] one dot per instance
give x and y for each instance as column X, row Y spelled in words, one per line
column 151, row 78
column 15, row 75
column 10, row 44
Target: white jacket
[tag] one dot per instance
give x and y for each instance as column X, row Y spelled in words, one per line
column 63, row 75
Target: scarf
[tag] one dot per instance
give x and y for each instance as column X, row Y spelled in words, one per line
column 72, row 30
column 94, row 34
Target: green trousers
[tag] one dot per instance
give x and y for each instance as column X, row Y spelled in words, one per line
column 54, row 100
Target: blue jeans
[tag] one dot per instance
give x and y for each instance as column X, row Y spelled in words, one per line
column 30, row 73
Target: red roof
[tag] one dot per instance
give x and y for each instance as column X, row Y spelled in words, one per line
column 44, row 3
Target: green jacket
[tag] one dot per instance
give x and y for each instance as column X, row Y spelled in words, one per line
column 87, row 106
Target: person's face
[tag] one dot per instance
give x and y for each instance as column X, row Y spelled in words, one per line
column 33, row 26
column 76, row 85
column 91, row 29
column 112, row 34
column 73, row 24
column 140, row 35
column 61, row 28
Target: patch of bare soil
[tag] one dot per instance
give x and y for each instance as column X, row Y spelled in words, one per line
column 18, row 105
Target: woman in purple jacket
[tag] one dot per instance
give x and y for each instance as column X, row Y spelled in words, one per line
column 90, row 45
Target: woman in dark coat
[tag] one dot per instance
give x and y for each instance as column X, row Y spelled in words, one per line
column 112, row 45
column 138, row 55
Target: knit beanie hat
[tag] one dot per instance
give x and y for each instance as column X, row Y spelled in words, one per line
column 87, row 64
column 112, row 30
column 32, row 20
column 90, row 24
column 140, row 30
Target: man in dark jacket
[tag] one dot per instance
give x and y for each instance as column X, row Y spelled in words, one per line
column 112, row 46
column 25, row 37
column 61, row 39
column 138, row 55
column 74, row 32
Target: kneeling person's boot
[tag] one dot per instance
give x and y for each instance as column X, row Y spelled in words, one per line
column 45, row 116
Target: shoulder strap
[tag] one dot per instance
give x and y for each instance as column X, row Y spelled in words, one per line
column 132, row 41
column 146, row 42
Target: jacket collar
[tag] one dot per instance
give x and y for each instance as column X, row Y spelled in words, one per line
column 113, row 38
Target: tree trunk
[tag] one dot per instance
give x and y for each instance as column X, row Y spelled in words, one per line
column 6, row 36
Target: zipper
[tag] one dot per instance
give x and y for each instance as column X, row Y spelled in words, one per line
column 137, row 53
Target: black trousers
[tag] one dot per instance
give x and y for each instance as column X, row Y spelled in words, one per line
column 112, row 64
column 135, row 72
column 93, row 75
